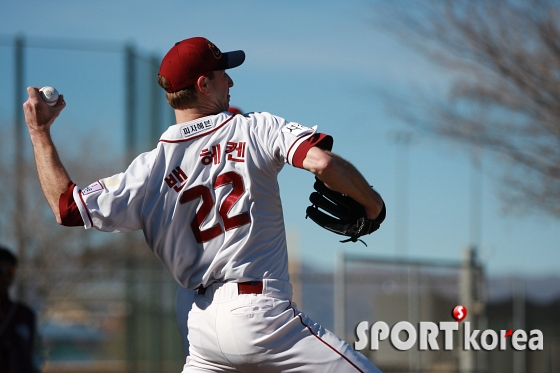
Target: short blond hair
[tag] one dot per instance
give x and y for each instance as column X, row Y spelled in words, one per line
column 183, row 99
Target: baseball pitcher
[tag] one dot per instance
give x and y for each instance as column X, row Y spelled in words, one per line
column 208, row 201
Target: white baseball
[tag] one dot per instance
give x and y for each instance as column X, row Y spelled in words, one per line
column 49, row 95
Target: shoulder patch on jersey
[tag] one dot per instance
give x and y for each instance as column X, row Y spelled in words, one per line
column 95, row 187
column 297, row 129
column 197, row 128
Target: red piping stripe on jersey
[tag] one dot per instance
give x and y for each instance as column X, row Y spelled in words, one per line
column 318, row 139
column 201, row 135
column 300, row 141
column 326, row 344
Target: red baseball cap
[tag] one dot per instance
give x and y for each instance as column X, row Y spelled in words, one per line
column 191, row 58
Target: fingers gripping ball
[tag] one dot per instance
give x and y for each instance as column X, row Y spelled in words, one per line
column 49, row 95
column 340, row 214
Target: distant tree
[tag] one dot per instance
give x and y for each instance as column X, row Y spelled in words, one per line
column 504, row 62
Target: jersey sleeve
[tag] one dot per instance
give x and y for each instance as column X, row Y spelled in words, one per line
column 112, row 204
column 290, row 141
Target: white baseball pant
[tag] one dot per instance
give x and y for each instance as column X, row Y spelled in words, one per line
column 232, row 332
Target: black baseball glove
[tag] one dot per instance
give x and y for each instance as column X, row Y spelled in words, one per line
column 340, row 214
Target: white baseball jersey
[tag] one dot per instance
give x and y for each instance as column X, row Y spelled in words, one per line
column 207, row 198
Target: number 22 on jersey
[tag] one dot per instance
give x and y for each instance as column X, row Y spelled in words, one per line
column 208, row 204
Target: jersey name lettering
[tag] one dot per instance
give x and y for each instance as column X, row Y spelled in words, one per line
column 197, row 128
column 176, row 177
column 235, row 152
column 239, row 148
column 211, row 155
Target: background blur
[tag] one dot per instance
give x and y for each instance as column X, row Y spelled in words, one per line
column 449, row 109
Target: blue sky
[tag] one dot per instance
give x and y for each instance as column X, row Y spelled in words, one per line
column 314, row 62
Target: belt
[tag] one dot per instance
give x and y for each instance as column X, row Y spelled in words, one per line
column 250, row 287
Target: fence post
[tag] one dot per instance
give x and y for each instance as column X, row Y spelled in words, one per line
column 19, row 177
column 130, row 102
column 518, row 297
column 414, row 289
column 480, row 308
column 467, row 359
column 155, row 100
column 130, row 116
column 339, row 296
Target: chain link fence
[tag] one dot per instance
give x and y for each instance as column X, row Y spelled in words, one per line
column 391, row 291
column 101, row 306
column 87, row 325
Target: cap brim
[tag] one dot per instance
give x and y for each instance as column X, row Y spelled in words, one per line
column 231, row 59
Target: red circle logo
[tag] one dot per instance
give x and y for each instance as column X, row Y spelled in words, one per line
column 215, row 51
column 459, row 313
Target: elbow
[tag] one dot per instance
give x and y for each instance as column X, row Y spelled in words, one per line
column 58, row 217
column 323, row 167
column 320, row 162
column 328, row 168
